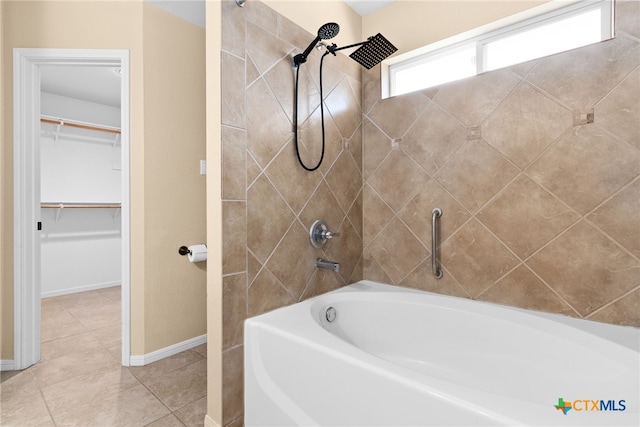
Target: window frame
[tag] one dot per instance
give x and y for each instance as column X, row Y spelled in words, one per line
column 485, row 35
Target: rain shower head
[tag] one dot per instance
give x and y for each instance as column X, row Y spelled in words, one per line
column 373, row 51
column 327, row 31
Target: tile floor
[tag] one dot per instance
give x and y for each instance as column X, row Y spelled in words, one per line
column 79, row 380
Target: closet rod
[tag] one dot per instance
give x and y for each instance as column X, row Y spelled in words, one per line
column 81, row 205
column 80, row 125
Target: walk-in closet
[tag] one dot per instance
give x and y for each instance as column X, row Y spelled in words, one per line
column 80, row 192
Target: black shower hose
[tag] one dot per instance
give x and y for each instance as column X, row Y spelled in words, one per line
column 295, row 119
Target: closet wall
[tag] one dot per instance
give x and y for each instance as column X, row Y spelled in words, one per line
column 80, row 246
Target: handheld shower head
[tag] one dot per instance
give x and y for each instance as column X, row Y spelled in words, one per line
column 327, row 31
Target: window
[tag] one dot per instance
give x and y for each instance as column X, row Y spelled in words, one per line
column 580, row 24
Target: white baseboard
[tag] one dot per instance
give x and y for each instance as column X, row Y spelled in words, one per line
column 77, row 289
column 6, row 365
column 145, row 359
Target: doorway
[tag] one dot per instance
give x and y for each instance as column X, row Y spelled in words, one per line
column 28, row 217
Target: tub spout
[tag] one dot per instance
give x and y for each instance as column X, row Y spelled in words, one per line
column 327, row 265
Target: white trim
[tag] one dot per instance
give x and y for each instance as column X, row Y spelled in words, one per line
column 553, row 10
column 92, row 287
column 6, row 365
column 163, row 353
column 26, row 100
column 26, row 210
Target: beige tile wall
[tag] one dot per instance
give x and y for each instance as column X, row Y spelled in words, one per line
column 269, row 201
column 537, row 170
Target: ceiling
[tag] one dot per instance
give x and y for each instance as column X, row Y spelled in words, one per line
column 101, row 84
column 365, row 7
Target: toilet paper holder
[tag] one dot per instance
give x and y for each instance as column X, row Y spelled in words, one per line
column 183, row 250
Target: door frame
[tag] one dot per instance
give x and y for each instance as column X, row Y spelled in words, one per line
column 26, row 183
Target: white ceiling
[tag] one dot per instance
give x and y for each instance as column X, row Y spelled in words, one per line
column 365, row 7
column 99, row 84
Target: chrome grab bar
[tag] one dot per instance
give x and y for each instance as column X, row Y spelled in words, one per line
column 437, row 271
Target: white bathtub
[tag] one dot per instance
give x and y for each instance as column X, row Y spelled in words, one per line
column 399, row 357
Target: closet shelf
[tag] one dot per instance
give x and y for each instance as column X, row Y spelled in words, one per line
column 74, row 205
column 78, row 205
column 80, row 125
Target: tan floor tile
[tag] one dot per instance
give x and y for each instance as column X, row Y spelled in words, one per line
column 167, row 421
column 91, row 387
column 193, row 414
column 113, row 293
column 133, row 407
column 94, row 317
column 154, row 370
column 181, row 387
column 67, row 357
column 21, row 403
column 57, row 322
column 201, row 350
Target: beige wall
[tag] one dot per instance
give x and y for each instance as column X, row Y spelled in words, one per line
column 214, row 214
column 312, row 14
column 540, row 205
column 174, row 193
column 167, row 140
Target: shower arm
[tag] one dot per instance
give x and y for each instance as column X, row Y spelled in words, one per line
column 333, row 48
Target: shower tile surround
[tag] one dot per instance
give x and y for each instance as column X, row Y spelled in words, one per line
column 541, row 200
column 269, row 201
column 537, row 171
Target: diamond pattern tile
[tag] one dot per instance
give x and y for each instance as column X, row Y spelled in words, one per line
column 417, row 213
column 293, row 261
column 268, row 218
column 264, row 48
column 585, row 167
column 434, row 138
column 594, row 71
column 283, row 170
column 525, row 125
column 347, row 248
column 344, row 107
column 472, row 100
column 398, row 179
column 308, row 94
column 619, row 111
column 395, row 115
column 322, row 205
column 521, row 288
column 525, row 216
column 579, row 263
column 268, row 127
column 619, row 217
column 475, row 173
column 397, row 251
column 344, row 180
column 475, row 258
column 376, row 148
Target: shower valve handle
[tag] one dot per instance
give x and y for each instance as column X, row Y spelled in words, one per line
column 328, row 235
column 319, row 234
